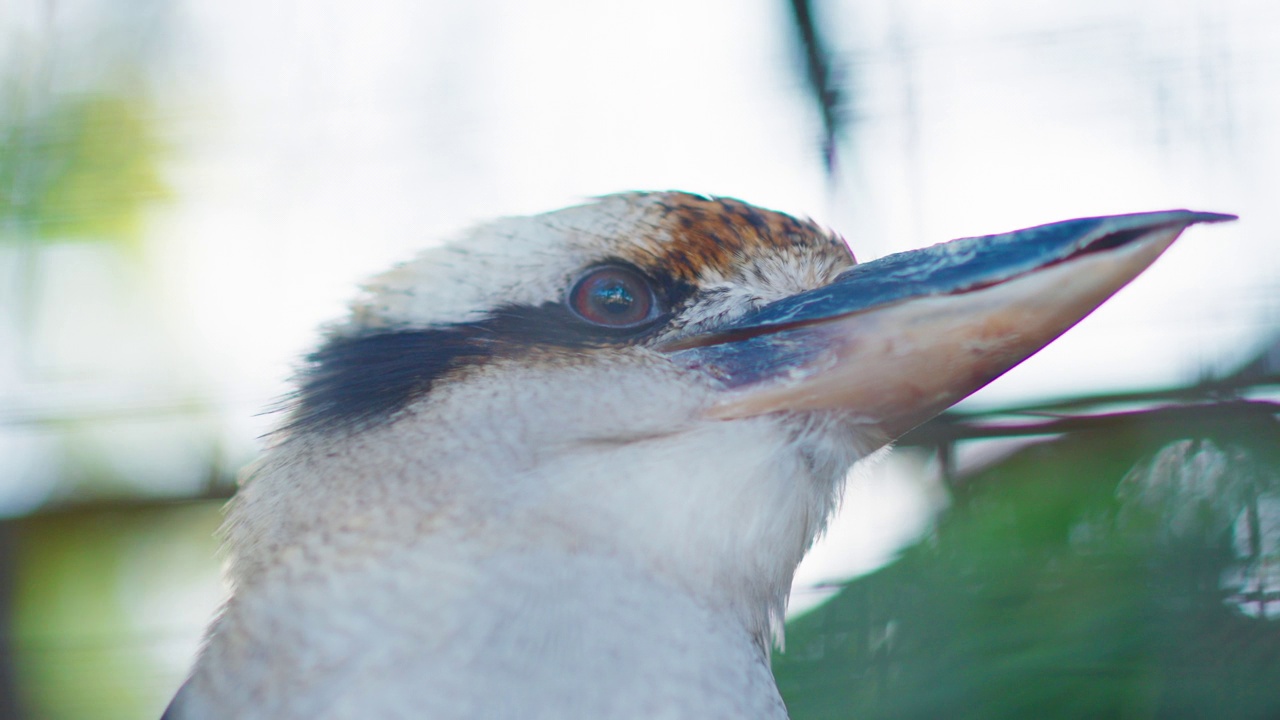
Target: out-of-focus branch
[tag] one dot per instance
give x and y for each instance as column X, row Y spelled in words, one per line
column 821, row 75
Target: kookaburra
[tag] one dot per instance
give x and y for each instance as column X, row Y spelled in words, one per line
column 565, row 466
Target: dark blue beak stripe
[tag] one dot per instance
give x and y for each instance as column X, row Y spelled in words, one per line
column 959, row 266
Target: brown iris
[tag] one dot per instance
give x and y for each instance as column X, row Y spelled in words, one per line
column 613, row 296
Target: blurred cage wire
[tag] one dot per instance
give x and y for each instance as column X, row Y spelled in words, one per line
column 1117, row 555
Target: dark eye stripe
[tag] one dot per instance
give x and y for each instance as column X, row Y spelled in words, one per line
column 356, row 381
column 360, row 381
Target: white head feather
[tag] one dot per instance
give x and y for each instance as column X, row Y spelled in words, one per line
column 546, row 507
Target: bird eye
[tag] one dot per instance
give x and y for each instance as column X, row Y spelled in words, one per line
column 615, row 297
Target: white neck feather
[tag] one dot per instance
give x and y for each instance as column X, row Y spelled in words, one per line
column 619, row 538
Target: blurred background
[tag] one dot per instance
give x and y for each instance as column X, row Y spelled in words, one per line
column 187, row 189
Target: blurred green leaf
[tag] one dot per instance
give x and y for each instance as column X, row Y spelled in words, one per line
column 1081, row 577
column 84, row 170
column 86, row 643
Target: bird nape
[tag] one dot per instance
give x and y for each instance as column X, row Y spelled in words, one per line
column 565, row 466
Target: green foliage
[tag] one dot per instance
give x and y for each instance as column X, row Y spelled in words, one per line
column 106, row 606
column 1082, row 577
column 84, row 169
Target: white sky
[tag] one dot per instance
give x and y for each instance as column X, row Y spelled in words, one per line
column 324, row 141
column 330, row 139
column 317, row 142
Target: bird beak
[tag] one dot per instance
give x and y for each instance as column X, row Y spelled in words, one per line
column 900, row 339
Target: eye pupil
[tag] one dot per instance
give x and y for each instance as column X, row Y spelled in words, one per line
column 613, row 298
column 616, row 297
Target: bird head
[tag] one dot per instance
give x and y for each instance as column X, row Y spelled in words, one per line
column 676, row 383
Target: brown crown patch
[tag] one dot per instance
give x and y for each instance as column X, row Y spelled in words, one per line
column 717, row 236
